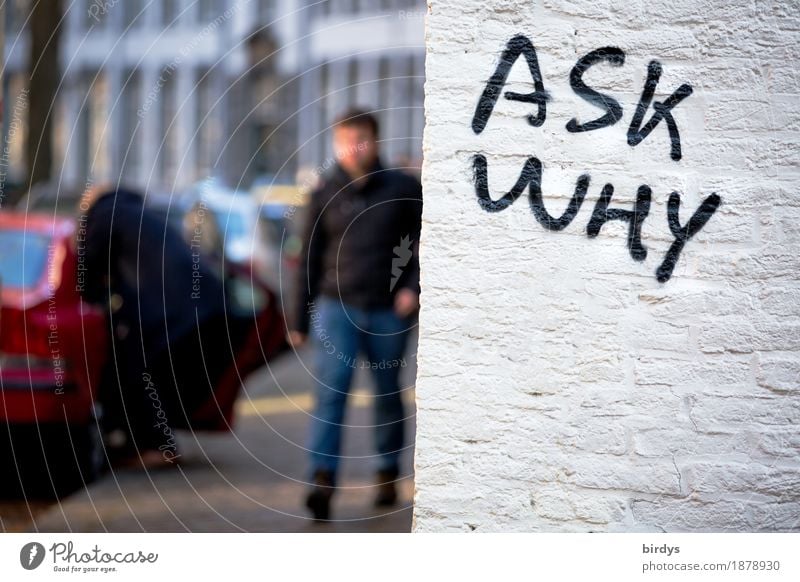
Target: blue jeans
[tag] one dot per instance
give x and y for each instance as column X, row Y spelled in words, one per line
column 338, row 333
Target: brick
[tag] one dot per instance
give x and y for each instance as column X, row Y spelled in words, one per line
column 779, row 373
column 719, row 479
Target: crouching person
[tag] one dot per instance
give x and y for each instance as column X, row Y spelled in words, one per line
column 172, row 341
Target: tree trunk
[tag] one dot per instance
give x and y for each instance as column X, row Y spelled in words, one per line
column 44, row 78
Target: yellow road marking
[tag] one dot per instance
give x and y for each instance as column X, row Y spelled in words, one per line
column 304, row 402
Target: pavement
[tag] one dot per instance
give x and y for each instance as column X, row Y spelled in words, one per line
column 250, row 480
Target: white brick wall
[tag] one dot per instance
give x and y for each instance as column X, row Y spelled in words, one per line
column 562, row 387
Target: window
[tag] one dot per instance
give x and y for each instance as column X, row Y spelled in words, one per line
column 169, row 12
column 23, row 258
column 96, row 14
column 384, row 96
column 352, row 82
column 98, row 104
column 92, row 129
column 16, row 14
column 128, row 139
column 266, row 12
column 205, row 125
column 368, row 6
column 132, row 13
column 207, row 10
column 410, row 83
column 15, row 124
column 324, row 89
column 168, row 155
column 82, row 132
column 418, row 102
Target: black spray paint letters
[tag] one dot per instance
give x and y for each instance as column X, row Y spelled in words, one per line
column 520, row 45
column 614, row 110
column 531, row 174
column 635, row 218
column 637, row 132
column 683, row 233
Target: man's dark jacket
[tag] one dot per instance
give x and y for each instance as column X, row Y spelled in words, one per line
column 360, row 243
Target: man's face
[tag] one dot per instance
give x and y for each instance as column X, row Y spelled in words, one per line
column 356, row 148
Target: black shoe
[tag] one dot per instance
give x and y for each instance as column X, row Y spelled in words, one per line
column 387, row 492
column 319, row 498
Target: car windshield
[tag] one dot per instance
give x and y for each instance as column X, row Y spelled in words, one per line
column 23, row 258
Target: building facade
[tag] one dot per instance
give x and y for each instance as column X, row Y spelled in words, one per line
column 162, row 94
column 366, row 53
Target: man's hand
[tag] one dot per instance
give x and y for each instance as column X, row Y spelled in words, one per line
column 406, row 302
column 296, row 339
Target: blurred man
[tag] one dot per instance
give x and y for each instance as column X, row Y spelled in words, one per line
column 358, row 290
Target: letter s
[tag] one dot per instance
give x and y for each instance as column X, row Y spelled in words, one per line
column 613, row 109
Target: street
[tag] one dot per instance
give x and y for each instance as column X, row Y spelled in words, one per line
column 251, row 480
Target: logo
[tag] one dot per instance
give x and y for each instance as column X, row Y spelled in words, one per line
column 402, row 254
column 31, row 555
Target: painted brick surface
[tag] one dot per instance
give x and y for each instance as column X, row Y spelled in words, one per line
column 561, row 386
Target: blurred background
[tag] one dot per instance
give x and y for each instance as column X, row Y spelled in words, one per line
column 164, row 94
column 184, row 97
column 228, row 101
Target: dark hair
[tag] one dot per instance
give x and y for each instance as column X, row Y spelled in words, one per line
column 357, row 117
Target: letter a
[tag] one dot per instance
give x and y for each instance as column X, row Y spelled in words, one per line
column 515, row 47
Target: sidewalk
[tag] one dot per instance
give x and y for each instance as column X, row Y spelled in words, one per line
column 251, row 480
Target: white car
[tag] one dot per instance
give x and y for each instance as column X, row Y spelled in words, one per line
column 228, row 222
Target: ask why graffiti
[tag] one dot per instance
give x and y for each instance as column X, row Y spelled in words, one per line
column 638, row 130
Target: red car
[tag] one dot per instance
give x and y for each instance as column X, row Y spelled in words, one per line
column 53, row 347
